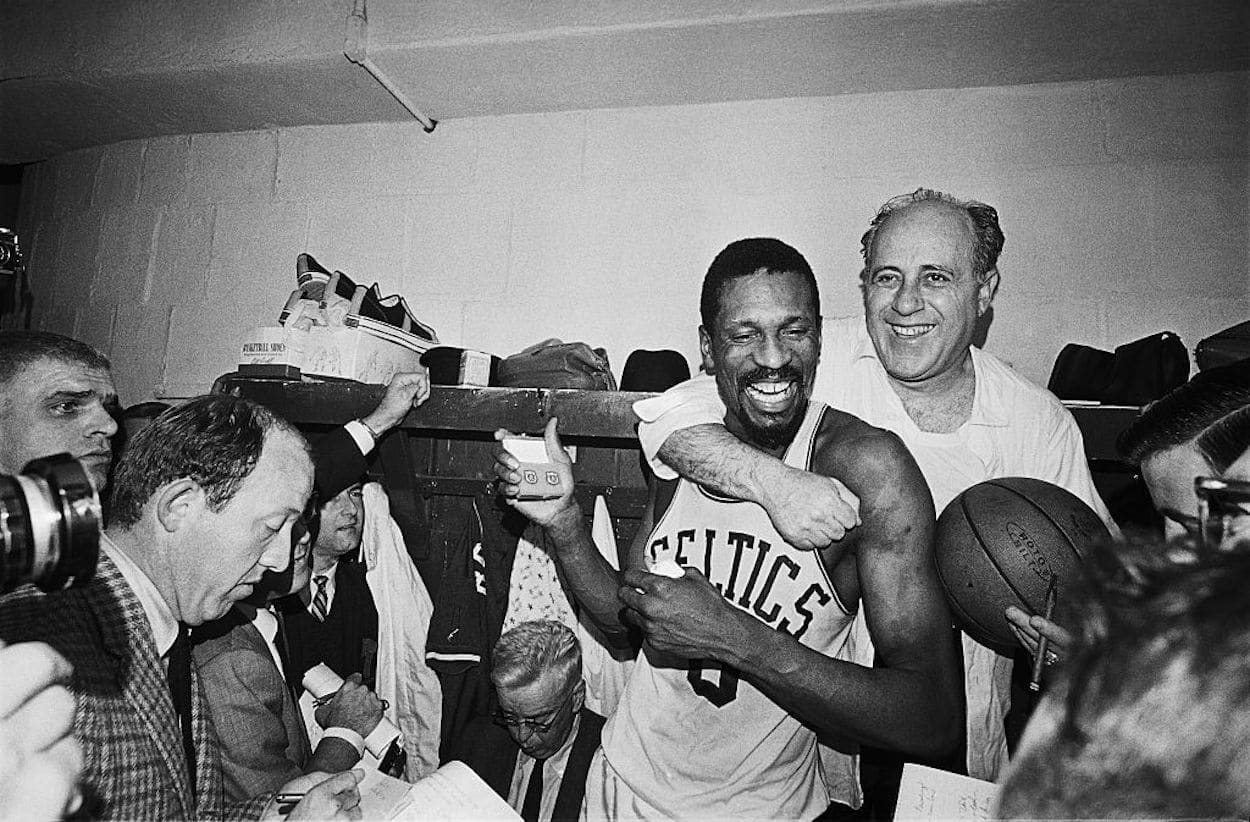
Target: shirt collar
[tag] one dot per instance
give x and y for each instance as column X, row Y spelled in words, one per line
column 983, row 412
column 557, row 761
column 306, row 593
column 262, row 619
column 160, row 617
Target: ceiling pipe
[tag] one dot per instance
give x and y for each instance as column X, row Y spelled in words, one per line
column 356, row 49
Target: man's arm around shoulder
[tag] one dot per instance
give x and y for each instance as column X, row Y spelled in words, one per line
column 682, row 432
column 913, row 703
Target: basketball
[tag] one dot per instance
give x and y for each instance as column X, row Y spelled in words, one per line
column 998, row 544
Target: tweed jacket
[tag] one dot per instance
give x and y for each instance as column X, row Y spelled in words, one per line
column 125, row 721
column 263, row 741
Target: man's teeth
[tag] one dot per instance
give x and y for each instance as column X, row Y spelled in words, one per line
column 771, row 389
column 912, row 330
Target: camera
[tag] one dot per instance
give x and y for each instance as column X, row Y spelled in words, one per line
column 14, row 288
column 10, row 252
column 49, row 525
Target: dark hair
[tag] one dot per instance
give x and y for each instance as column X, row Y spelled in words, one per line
column 1150, row 715
column 20, row 349
column 985, row 229
column 144, row 410
column 745, row 257
column 215, row 440
column 1202, row 412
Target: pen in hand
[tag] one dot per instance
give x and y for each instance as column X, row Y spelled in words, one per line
column 1039, row 661
column 287, row 801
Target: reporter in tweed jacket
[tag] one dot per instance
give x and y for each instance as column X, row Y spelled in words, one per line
column 134, row 766
column 205, row 501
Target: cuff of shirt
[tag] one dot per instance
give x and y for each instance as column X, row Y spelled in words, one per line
column 693, row 402
column 361, row 435
column 349, row 736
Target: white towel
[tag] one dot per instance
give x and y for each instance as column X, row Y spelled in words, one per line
column 404, row 608
column 604, row 668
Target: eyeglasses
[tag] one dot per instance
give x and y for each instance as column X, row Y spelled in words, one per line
column 1223, row 512
column 530, row 724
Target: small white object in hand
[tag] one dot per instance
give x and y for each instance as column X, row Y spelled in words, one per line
column 668, row 568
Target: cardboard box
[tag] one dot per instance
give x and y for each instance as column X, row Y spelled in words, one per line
column 367, row 352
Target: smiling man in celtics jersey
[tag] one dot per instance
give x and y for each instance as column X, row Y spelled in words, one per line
column 752, row 647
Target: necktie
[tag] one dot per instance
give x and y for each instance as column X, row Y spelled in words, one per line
column 533, row 794
column 279, row 641
column 179, row 676
column 320, row 601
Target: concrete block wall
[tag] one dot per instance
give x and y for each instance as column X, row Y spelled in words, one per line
column 1125, row 205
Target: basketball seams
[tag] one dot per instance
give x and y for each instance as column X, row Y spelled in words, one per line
column 980, row 538
column 995, row 543
column 1056, row 523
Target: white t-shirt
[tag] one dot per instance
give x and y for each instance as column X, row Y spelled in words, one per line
column 1016, row 429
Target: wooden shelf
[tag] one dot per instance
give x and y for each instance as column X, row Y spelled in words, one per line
column 598, row 415
column 441, row 452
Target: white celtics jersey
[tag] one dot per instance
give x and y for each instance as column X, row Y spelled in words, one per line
column 693, row 740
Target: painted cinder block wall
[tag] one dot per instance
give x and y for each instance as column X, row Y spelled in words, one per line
column 1125, row 205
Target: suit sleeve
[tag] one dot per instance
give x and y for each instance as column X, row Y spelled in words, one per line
column 337, row 463
column 244, row 692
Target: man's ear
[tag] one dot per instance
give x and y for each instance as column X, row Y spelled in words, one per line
column 705, row 348
column 986, row 291
column 177, row 503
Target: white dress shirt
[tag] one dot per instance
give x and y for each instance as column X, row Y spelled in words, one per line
column 306, row 595
column 551, row 770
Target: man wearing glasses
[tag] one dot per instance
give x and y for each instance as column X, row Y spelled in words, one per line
column 541, row 766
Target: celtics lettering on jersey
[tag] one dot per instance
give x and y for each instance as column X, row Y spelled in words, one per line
column 749, row 572
column 735, row 545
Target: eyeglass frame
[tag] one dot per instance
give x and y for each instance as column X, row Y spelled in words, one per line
column 509, row 722
column 1219, row 490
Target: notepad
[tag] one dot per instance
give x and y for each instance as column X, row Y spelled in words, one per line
column 452, row 792
column 928, row 794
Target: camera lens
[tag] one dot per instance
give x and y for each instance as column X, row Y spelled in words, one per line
column 49, row 525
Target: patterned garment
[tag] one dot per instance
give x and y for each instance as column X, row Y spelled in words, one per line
column 320, row 600
column 134, row 765
column 535, row 591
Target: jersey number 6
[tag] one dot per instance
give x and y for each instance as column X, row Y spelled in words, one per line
column 720, row 693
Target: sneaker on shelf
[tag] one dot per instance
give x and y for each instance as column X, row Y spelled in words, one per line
column 399, row 314
column 308, row 270
column 311, row 278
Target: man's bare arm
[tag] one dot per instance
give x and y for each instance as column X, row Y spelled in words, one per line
column 810, row 510
column 914, row 703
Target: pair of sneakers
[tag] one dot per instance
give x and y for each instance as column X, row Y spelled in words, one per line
column 335, row 291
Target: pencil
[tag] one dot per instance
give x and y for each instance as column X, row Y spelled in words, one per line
column 1039, row 661
column 286, row 802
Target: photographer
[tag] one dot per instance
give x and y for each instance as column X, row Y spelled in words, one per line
column 208, row 497
column 56, row 396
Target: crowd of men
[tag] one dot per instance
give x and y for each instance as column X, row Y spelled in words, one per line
column 781, row 590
